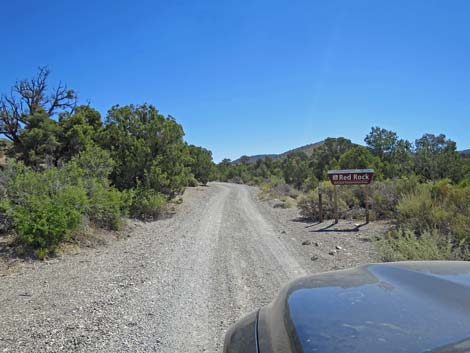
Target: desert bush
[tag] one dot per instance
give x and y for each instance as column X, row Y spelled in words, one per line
column 92, row 169
column 192, row 181
column 43, row 222
column 6, row 215
column 200, row 163
column 46, row 206
column 407, row 184
column 146, row 203
column 308, row 206
column 93, row 163
column 416, row 210
column 107, row 205
column 384, row 199
column 287, row 202
column 148, row 149
column 439, row 206
column 310, row 183
column 465, row 183
column 236, row 180
column 433, row 222
column 281, row 189
column 385, row 195
column 309, row 203
column 276, row 188
column 402, row 245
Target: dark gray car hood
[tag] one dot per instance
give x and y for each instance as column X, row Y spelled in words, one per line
column 395, row 307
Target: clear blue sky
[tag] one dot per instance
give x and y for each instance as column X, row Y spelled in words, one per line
column 250, row 77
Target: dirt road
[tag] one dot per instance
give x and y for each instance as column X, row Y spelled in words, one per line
column 174, row 285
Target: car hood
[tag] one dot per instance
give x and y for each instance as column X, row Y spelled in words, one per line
column 394, row 307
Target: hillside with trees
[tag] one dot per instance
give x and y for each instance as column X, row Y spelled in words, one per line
column 307, row 149
column 64, row 165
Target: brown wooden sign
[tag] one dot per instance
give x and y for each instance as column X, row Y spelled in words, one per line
column 351, row 176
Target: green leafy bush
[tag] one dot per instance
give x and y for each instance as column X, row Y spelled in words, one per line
column 42, row 222
column 192, row 181
column 6, row 215
column 200, row 163
column 276, row 187
column 93, row 163
column 405, row 245
column 148, row 149
column 439, row 206
column 107, row 205
column 146, row 203
column 465, row 183
column 433, row 222
column 47, row 206
column 385, row 195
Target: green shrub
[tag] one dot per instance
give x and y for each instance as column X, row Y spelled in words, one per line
column 309, row 204
column 236, row 180
column 93, row 163
column 147, row 203
column 192, row 181
column 6, row 215
column 74, row 203
column 106, row 205
column 384, row 197
column 457, row 210
column 43, row 223
column 276, row 188
column 47, row 206
column 287, row 202
column 41, row 253
column 465, row 183
column 311, row 183
column 437, row 206
column 405, row 245
column 415, row 211
column 148, row 148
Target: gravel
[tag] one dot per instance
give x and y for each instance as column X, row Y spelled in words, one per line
column 173, row 285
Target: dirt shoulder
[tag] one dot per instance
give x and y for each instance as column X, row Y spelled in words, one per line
column 324, row 246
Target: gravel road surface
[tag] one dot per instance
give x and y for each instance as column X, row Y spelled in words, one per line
column 174, row 285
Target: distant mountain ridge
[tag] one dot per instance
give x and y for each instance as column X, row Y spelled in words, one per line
column 307, row 149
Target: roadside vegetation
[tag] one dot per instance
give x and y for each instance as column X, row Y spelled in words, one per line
column 63, row 166
column 423, row 188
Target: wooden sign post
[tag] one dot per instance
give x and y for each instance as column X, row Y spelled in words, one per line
column 335, row 196
column 351, row 177
column 367, row 202
column 320, row 204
